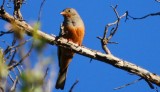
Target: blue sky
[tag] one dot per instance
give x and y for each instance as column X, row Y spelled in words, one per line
column 138, row 41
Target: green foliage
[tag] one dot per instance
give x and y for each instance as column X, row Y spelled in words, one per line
column 3, row 67
column 32, row 81
column 29, row 80
column 39, row 43
column 36, row 27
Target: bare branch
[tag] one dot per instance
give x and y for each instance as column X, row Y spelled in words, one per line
column 40, row 10
column 17, row 13
column 128, row 84
column 11, row 78
column 149, row 84
column 8, row 49
column 23, row 58
column 3, row 3
column 12, row 61
column 46, row 72
column 108, row 41
column 105, row 40
column 18, row 69
column 2, row 32
column 106, row 58
column 146, row 16
column 113, row 30
column 73, row 86
column 15, row 75
column 13, row 88
column 21, row 44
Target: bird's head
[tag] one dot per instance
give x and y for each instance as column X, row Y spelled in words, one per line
column 69, row 12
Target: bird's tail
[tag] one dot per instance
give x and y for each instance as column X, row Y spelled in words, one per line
column 61, row 79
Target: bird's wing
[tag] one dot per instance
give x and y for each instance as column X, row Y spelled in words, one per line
column 61, row 33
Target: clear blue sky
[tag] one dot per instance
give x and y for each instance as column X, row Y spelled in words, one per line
column 139, row 41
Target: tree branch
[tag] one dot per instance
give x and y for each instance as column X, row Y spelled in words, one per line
column 17, row 5
column 128, row 84
column 105, row 40
column 106, row 58
column 40, row 10
column 2, row 32
column 74, row 84
column 22, row 59
column 13, row 88
column 145, row 16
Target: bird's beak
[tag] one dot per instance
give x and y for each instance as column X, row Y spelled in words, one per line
column 63, row 13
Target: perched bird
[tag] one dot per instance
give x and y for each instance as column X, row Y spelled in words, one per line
column 72, row 29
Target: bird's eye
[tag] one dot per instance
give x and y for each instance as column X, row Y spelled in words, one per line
column 69, row 10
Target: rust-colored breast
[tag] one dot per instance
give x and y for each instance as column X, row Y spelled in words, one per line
column 74, row 34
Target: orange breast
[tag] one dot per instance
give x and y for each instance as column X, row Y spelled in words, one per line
column 74, row 34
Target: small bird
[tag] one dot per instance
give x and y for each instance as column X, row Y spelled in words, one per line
column 72, row 29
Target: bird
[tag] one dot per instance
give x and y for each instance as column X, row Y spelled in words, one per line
column 73, row 30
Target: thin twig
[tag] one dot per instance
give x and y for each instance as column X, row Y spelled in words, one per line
column 3, row 3
column 11, row 61
column 73, row 86
column 113, row 42
column 128, row 84
column 15, row 75
column 148, row 15
column 8, row 49
column 18, row 69
column 116, row 22
column 17, row 13
column 23, row 58
column 108, row 41
column 10, row 54
column 14, row 41
column 105, row 40
column 3, row 32
column 21, row 44
column 149, row 84
column 11, row 78
column 13, row 88
column 46, row 72
column 90, row 60
column 40, row 11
